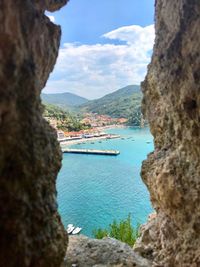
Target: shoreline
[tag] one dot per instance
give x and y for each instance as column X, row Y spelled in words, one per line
column 84, row 140
column 97, row 138
column 118, row 127
column 113, row 126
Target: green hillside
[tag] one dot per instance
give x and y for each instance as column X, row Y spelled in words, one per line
column 122, row 103
column 66, row 121
column 63, row 100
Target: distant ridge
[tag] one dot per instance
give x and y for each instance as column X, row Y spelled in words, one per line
column 123, row 92
column 63, row 100
column 121, row 103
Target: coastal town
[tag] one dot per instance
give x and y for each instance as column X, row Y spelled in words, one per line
column 96, row 120
column 94, row 127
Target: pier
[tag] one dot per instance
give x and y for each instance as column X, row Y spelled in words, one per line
column 91, row 151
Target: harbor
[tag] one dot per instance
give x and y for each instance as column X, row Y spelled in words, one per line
column 86, row 138
column 91, row 151
column 87, row 184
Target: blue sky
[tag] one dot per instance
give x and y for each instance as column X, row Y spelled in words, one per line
column 105, row 45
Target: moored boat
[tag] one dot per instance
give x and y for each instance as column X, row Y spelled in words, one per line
column 76, row 230
column 70, row 228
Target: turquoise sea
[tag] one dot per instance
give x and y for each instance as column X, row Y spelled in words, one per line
column 93, row 190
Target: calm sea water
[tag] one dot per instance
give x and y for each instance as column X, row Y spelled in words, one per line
column 93, row 190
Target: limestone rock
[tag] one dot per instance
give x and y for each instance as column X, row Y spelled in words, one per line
column 50, row 5
column 145, row 244
column 172, row 106
column 31, row 233
column 87, row 252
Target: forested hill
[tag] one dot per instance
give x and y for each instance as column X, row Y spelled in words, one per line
column 66, row 121
column 121, row 103
column 63, row 100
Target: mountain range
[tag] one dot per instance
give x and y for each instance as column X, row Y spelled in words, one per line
column 117, row 104
column 63, row 100
column 124, row 102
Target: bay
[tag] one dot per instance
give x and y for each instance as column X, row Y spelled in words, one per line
column 94, row 190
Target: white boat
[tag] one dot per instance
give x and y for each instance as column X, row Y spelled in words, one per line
column 76, row 230
column 70, row 228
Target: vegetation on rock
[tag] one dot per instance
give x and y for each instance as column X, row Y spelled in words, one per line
column 123, row 231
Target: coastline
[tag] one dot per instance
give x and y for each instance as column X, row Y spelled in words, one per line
column 84, row 140
column 90, row 177
column 113, row 126
column 96, row 138
column 117, row 126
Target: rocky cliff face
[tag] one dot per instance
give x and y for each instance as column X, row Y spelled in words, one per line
column 31, row 233
column 172, row 105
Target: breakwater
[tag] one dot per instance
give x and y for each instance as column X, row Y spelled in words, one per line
column 91, row 151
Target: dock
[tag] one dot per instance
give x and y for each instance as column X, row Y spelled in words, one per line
column 91, row 151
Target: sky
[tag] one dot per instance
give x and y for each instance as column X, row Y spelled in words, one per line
column 105, row 45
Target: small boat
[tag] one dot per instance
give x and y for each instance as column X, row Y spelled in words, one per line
column 70, row 228
column 76, row 230
column 148, row 142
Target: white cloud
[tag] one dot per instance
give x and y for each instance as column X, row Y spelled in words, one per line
column 95, row 70
column 134, row 35
column 52, row 18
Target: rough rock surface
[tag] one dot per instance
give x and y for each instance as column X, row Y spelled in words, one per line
column 145, row 244
column 31, row 233
column 86, row 252
column 172, row 106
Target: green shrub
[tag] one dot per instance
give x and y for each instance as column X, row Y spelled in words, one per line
column 123, row 231
column 100, row 233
